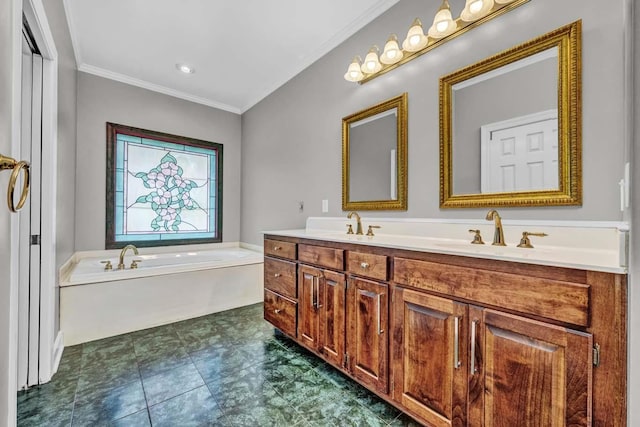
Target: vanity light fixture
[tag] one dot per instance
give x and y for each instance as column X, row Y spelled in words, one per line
column 392, row 52
column 444, row 28
column 443, row 23
column 354, row 73
column 371, row 64
column 416, row 40
column 185, row 68
column 476, row 9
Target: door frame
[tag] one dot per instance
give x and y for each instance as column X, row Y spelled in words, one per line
column 50, row 345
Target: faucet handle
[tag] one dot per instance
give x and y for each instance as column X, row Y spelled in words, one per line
column 107, row 265
column 525, row 242
column 134, row 263
column 370, row 230
column 349, row 229
column 477, row 238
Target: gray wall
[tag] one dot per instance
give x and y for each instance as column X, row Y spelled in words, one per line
column 501, row 98
column 100, row 101
column 66, row 152
column 294, row 135
column 8, row 36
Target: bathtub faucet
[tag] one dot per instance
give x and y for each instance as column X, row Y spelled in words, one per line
column 124, row 250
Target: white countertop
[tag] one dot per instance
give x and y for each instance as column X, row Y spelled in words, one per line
column 596, row 247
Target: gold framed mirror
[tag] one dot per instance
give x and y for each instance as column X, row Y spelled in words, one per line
column 510, row 126
column 374, row 157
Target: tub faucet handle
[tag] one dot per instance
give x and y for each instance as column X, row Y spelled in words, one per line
column 134, row 263
column 107, row 265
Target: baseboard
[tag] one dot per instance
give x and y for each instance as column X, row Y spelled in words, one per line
column 257, row 248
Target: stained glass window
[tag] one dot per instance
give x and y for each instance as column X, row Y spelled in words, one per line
column 161, row 189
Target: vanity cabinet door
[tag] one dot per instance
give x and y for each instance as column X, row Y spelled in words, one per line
column 528, row 373
column 331, row 307
column 367, row 331
column 308, row 315
column 430, row 357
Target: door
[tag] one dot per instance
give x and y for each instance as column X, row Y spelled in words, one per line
column 331, row 301
column 29, row 235
column 520, row 154
column 367, row 332
column 531, row 373
column 430, row 357
column 308, row 317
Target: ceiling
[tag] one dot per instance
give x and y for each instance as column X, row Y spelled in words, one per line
column 241, row 50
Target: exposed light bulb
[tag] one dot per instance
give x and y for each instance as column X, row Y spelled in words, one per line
column 442, row 26
column 475, row 6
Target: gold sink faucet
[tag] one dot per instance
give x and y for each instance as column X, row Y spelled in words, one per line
column 124, row 250
column 498, row 235
column 358, row 222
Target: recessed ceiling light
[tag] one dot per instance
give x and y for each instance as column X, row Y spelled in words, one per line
column 185, row 68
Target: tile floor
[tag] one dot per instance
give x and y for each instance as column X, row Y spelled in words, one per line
column 225, row 369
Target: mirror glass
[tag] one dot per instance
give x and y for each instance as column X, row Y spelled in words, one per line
column 509, row 129
column 374, row 157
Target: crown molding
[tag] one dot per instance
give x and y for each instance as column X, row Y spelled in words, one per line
column 101, row 72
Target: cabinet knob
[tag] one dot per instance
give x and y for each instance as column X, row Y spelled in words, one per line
column 364, row 265
column 277, row 248
column 277, row 311
column 277, row 275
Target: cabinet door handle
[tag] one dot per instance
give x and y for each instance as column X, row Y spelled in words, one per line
column 380, row 331
column 456, row 343
column 474, row 325
column 312, row 291
column 318, row 305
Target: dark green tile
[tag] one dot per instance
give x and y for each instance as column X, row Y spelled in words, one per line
column 116, row 341
column 47, row 414
column 157, row 361
column 217, row 362
column 335, row 376
column 404, row 420
column 110, row 374
column 108, row 356
column 139, row 419
column 310, row 386
column 329, row 411
column 109, row 405
column 161, row 341
column 194, row 408
column 240, row 389
column 159, row 388
column 266, row 409
column 151, row 332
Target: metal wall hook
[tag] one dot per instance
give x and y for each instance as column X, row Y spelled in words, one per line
column 8, row 163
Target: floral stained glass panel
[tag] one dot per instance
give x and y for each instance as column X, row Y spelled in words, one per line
column 166, row 192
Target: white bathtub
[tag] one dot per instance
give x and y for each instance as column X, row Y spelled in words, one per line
column 165, row 288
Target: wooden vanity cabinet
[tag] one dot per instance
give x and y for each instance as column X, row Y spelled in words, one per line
column 455, row 364
column 458, row 341
column 367, row 332
column 430, row 362
column 321, row 312
column 526, row 372
column 281, row 285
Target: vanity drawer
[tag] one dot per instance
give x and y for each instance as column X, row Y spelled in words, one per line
column 280, row 249
column 367, row 265
column 324, row 257
column 280, row 277
column 281, row 312
column 563, row 301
